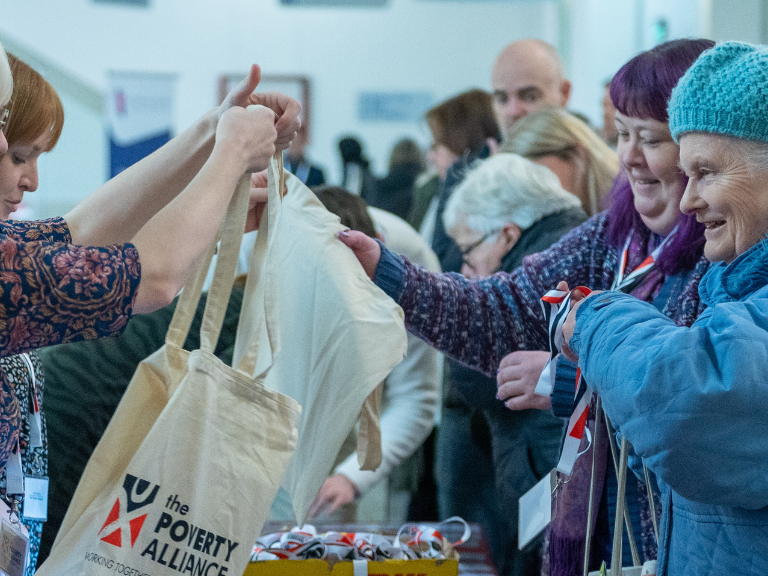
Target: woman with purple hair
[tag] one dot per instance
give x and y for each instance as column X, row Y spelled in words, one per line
column 480, row 321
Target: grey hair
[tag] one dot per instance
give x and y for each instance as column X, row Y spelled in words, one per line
column 6, row 79
column 753, row 152
column 506, row 188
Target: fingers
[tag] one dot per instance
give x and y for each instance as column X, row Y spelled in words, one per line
column 287, row 111
column 366, row 250
column 259, row 179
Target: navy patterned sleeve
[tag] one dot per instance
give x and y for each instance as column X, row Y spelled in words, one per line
column 55, row 292
column 479, row 321
column 51, row 230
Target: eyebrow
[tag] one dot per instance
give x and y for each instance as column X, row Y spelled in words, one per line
column 525, row 90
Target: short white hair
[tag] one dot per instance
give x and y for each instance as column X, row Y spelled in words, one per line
column 506, row 188
column 6, row 79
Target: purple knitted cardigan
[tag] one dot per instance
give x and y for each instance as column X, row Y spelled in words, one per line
column 479, row 321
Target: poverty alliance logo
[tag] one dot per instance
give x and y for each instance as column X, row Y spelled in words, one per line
column 137, row 496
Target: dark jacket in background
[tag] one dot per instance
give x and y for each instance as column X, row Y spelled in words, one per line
column 446, row 249
column 394, row 192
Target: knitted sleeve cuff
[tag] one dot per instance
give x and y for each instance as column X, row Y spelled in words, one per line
column 562, row 392
column 390, row 273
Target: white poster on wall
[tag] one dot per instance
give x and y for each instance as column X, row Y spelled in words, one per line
column 140, row 112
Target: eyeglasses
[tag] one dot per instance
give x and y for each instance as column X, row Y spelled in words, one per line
column 469, row 249
column 4, row 119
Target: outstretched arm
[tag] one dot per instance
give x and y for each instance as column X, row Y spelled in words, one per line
column 116, row 211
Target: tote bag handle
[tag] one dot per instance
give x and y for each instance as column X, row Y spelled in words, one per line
column 230, row 232
column 255, row 327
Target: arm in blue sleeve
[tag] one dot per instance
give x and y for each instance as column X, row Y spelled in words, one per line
column 563, row 391
column 692, row 401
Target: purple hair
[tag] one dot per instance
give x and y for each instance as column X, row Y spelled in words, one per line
column 641, row 89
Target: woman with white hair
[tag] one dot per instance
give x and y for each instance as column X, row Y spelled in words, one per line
column 506, row 208
column 504, row 202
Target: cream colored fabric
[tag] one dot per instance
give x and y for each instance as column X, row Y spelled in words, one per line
column 189, row 464
column 336, row 335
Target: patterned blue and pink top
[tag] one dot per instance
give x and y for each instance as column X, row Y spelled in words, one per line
column 52, row 291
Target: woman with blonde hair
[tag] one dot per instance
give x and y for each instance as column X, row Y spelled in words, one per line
column 558, row 140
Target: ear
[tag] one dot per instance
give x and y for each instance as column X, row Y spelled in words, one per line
column 511, row 234
column 565, row 92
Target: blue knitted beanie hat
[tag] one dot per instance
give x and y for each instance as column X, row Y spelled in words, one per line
column 724, row 92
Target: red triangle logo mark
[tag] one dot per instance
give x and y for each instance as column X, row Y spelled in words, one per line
column 115, row 538
column 136, row 525
column 113, row 515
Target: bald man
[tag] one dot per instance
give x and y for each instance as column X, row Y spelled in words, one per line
column 527, row 76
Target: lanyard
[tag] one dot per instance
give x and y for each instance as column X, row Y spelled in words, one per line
column 626, row 284
column 557, row 305
column 35, row 419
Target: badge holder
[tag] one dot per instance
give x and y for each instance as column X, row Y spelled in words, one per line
column 14, row 536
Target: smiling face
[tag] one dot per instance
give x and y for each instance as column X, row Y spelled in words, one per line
column 18, row 173
column 650, row 156
column 726, row 193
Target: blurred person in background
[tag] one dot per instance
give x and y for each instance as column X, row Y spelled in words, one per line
column 394, row 192
column 505, row 208
column 554, row 138
column 356, row 172
column 411, row 394
column 297, row 164
column 609, row 132
column 527, row 76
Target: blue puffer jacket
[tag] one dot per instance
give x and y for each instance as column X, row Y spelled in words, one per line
column 694, row 404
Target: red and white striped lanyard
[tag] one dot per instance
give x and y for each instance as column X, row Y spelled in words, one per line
column 626, row 284
column 557, row 305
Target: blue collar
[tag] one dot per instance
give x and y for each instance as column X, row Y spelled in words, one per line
column 737, row 280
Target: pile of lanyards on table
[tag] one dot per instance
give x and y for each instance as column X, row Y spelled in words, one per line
column 413, row 541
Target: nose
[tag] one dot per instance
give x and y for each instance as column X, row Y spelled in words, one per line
column 29, row 177
column 515, row 109
column 691, row 201
column 3, row 143
column 630, row 153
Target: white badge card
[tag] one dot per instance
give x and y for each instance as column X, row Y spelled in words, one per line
column 35, row 506
column 536, row 509
column 14, row 544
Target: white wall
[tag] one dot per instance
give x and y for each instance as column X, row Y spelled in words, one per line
column 438, row 46
column 442, row 47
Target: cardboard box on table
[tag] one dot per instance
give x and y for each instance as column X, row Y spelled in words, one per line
column 448, row 566
column 315, row 567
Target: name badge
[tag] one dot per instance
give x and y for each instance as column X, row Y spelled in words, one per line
column 536, row 509
column 35, row 506
column 14, row 543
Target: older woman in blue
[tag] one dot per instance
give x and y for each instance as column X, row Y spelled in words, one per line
column 694, row 401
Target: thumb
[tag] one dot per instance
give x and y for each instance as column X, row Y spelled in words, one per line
column 562, row 285
column 247, row 86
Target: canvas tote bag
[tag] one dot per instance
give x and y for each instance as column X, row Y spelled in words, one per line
column 334, row 335
column 182, row 480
